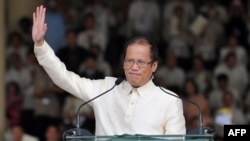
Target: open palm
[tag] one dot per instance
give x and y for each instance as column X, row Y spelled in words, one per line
column 39, row 26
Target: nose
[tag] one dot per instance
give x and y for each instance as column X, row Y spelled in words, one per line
column 135, row 66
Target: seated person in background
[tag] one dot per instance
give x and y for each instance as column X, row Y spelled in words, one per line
column 52, row 133
column 69, row 113
column 72, row 54
column 191, row 112
column 102, row 64
column 17, row 134
column 170, row 74
column 228, row 114
column 89, row 68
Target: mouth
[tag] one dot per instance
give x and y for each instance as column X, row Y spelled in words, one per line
column 134, row 74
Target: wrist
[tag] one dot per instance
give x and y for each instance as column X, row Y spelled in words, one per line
column 39, row 43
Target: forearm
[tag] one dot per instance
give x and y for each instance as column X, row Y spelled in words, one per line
column 57, row 71
column 39, row 43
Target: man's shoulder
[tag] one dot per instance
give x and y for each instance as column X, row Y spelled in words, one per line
column 169, row 93
column 110, row 78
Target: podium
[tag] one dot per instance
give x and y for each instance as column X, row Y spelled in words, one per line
column 208, row 137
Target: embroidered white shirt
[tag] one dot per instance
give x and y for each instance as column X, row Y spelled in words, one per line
column 124, row 110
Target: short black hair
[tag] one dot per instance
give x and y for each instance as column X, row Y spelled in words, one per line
column 88, row 15
column 143, row 40
column 230, row 54
column 193, row 82
column 222, row 77
column 15, row 85
column 91, row 55
column 14, row 34
column 70, row 30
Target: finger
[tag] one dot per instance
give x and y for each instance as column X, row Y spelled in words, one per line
column 34, row 18
column 35, row 15
column 39, row 13
column 43, row 15
column 45, row 27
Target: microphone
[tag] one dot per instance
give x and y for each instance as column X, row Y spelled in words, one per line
column 201, row 130
column 82, row 132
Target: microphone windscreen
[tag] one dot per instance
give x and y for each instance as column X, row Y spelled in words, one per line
column 155, row 81
column 119, row 80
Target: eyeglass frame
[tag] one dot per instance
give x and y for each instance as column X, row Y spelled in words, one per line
column 139, row 63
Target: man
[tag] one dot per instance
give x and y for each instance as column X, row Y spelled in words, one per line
column 72, row 54
column 52, row 133
column 136, row 106
column 18, row 134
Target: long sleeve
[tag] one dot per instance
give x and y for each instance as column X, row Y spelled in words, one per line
column 67, row 80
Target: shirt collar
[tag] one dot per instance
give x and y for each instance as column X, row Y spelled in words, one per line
column 145, row 89
column 127, row 88
column 142, row 91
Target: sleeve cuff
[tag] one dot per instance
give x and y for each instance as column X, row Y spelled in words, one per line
column 39, row 51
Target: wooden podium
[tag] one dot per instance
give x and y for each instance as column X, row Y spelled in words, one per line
column 208, row 137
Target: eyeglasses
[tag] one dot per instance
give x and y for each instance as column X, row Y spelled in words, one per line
column 139, row 63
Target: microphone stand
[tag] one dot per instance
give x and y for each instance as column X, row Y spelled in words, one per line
column 82, row 132
column 201, row 130
column 78, row 130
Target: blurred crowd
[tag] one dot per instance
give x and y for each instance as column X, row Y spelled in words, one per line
column 203, row 56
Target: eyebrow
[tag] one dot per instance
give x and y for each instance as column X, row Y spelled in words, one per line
column 141, row 59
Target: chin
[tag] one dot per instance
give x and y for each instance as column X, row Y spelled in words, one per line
column 134, row 82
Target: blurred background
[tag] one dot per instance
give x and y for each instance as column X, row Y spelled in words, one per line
column 203, row 56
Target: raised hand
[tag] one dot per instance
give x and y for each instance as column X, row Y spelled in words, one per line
column 39, row 26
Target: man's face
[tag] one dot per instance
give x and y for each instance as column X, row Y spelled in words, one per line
column 140, row 54
column 17, row 133
column 52, row 134
column 231, row 62
column 71, row 39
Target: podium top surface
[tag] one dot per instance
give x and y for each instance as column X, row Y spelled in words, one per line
column 209, row 137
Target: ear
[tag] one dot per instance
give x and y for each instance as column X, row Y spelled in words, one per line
column 154, row 66
column 123, row 65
